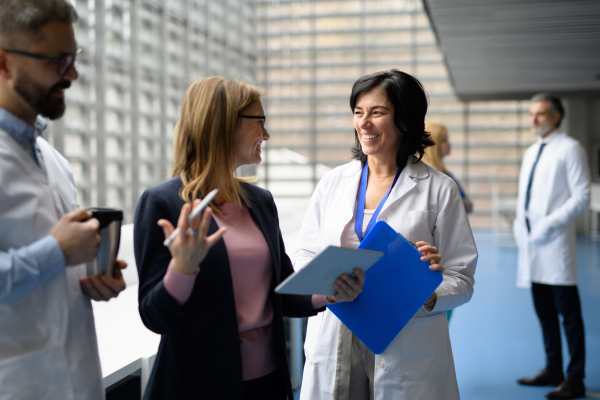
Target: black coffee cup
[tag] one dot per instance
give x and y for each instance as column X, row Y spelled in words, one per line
column 110, row 238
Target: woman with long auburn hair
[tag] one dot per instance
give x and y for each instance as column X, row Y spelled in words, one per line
column 210, row 293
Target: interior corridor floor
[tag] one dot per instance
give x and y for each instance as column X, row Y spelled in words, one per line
column 496, row 337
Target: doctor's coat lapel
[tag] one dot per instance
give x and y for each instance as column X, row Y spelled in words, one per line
column 406, row 181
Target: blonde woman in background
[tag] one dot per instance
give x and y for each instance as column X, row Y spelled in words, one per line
column 434, row 156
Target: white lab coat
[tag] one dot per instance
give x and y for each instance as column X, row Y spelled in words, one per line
column 48, row 347
column 560, row 191
column 423, row 205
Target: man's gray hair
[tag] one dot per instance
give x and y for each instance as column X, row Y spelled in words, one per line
column 22, row 19
column 555, row 104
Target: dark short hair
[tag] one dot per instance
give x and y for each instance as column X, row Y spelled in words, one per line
column 23, row 19
column 408, row 97
column 555, row 104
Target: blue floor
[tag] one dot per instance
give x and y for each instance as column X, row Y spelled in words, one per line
column 496, row 337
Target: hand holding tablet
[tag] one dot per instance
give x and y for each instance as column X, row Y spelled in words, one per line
column 320, row 274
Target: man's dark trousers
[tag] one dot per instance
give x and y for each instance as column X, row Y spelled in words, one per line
column 549, row 301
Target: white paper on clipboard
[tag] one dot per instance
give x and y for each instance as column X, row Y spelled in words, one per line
column 320, row 274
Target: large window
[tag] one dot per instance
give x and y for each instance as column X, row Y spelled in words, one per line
column 310, row 54
column 139, row 56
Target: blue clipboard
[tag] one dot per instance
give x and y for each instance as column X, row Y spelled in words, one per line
column 395, row 288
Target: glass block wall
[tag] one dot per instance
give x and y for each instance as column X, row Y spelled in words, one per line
column 310, row 54
column 139, row 56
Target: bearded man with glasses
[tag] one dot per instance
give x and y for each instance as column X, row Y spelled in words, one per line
column 48, row 347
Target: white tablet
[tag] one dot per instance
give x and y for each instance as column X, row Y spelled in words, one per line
column 320, row 274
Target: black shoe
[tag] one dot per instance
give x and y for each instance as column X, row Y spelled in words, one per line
column 569, row 389
column 543, row 378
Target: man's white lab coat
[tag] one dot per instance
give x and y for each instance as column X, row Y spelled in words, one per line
column 423, row 205
column 560, row 191
column 48, row 347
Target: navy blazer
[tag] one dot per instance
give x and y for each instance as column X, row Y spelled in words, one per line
column 199, row 354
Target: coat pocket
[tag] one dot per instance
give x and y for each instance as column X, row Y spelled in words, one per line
column 321, row 338
column 418, row 225
column 312, row 336
column 425, row 347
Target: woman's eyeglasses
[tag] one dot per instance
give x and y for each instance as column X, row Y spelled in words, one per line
column 261, row 117
column 63, row 63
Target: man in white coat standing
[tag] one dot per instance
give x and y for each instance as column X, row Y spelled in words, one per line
column 48, row 347
column 553, row 189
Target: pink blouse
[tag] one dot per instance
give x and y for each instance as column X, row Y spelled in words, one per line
column 251, row 274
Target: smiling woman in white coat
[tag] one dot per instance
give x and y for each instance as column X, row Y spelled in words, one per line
column 420, row 203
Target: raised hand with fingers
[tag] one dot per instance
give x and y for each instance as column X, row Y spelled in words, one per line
column 348, row 287
column 191, row 244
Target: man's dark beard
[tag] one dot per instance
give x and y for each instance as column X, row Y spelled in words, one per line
column 40, row 98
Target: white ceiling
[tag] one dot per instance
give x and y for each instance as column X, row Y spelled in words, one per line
column 503, row 49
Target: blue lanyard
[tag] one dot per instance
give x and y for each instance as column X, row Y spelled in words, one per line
column 360, row 205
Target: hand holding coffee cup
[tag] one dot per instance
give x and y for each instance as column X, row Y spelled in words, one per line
column 104, row 278
column 78, row 236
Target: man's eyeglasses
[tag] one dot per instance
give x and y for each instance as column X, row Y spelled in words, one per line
column 63, row 63
column 261, row 117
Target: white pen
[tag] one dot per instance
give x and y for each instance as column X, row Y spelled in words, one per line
column 195, row 212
